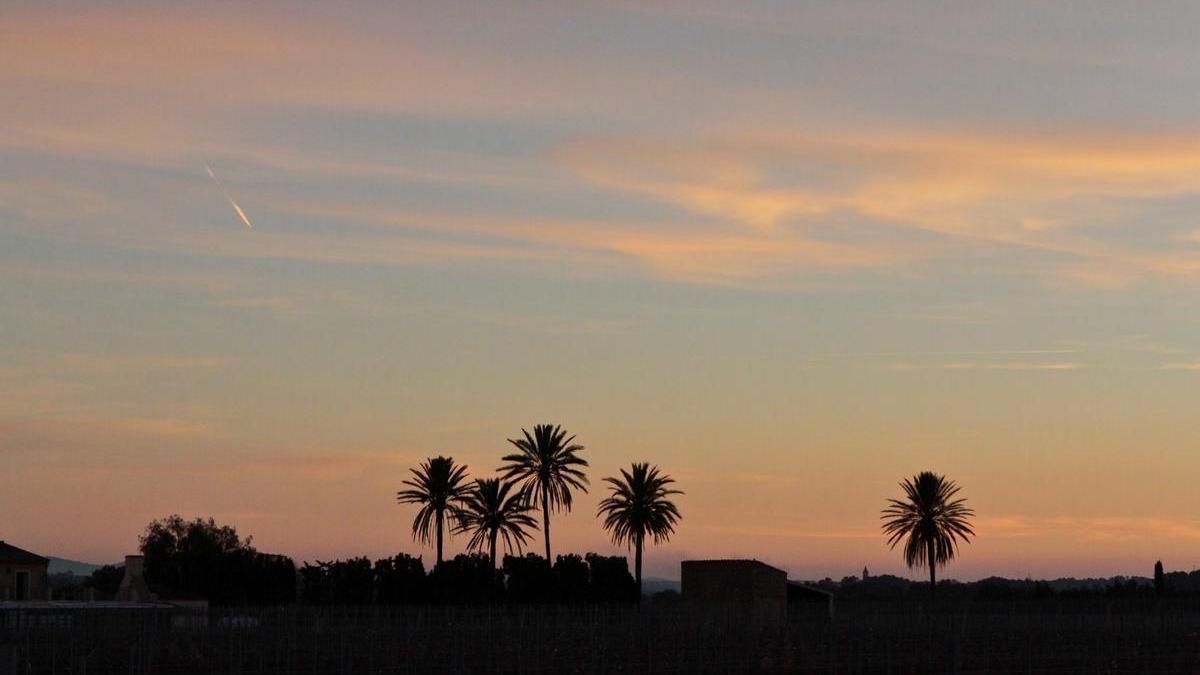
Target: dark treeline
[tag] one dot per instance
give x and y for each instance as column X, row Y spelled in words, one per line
column 469, row 579
column 887, row 587
column 210, row 561
column 198, row 559
column 203, row 559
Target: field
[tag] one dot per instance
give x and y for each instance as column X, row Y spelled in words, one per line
column 1075, row 636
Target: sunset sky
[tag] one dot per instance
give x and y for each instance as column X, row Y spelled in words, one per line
column 789, row 252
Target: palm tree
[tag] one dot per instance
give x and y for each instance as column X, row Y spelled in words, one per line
column 490, row 511
column 639, row 506
column 929, row 521
column 438, row 487
column 547, row 468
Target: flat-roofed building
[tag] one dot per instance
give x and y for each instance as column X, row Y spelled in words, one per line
column 735, row 585
column 802, row 596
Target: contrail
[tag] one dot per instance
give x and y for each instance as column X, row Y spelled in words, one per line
column 224, row 191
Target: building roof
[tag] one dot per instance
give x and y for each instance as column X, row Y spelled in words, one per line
column 733, row 562
column 801, row 587
column 19, row 556
column 77, row 606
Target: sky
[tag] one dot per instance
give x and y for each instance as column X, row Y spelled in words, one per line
column 789, row 252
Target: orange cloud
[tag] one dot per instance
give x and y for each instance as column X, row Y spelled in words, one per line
column 89, row 362
column 1181, row 366
column 688, row 253
column 1032, row 192
column 755, row 204
column 758, row 211
column 1019, row 365
column 789, row 533
column 78, row 430
column 1089, row 528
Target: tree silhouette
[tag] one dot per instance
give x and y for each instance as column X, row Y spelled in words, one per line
column 547, row 468
column 213, row 561
column 489, row 510
column 929, row 521
column 438, row 487
column 639, row 506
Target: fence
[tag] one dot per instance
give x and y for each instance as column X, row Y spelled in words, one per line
column 1048, row 636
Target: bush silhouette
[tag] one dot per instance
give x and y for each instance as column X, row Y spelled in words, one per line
column 465, row 579
column 528, row 579
column 349, row 582
column 611, row 580
column 212, row 561
column 400, row 580
column 572, row 578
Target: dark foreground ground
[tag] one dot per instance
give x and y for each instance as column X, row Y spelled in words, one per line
column 1047, row 636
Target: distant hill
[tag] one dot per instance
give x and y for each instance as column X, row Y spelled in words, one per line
column 889, row 587
column 64, row 566
column 652, row 585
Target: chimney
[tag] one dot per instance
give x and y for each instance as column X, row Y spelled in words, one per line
column 133, row 585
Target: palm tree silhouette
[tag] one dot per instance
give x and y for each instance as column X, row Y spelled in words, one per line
column 489, row 511
column 438, row 487
column 546, row 469
column 929, row 521
column 639, row 506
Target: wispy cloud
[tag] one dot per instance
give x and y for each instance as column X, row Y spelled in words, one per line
column 552, row 325
column 981, row 359
column 1010, row 365
column 53, row 200
column 147, row 426
column 25, row 393
column 307, row 305
column 331, row 466
column 1034, row 193
column 1019, row 365
column 790, row 533
column 755, row 206
column 1192, row 365
column 277, row 305
column 1089, row 528
column 976, row 352
column 761, row 478
column 691, row 254
column 1138, row 343
column 67, row 385
column 92, row 362
column 44, row 433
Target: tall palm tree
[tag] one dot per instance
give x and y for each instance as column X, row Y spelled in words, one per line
column 547, row 469
column 639, row 506
column 929, row 521
column 438, row 486
column 490, row 510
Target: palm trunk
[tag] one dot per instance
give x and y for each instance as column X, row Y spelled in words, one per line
column 637, row 565
column 493, row 549
column 439, row 537
column 546, row 521
column 932, row 573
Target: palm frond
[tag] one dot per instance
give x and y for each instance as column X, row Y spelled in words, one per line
column 437, row 486
column 491, row 509
column 928, row 521
column 639, row 505
column 546, row 466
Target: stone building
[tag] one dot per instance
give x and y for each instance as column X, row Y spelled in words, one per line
column 23, row 575
column 736, row 585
